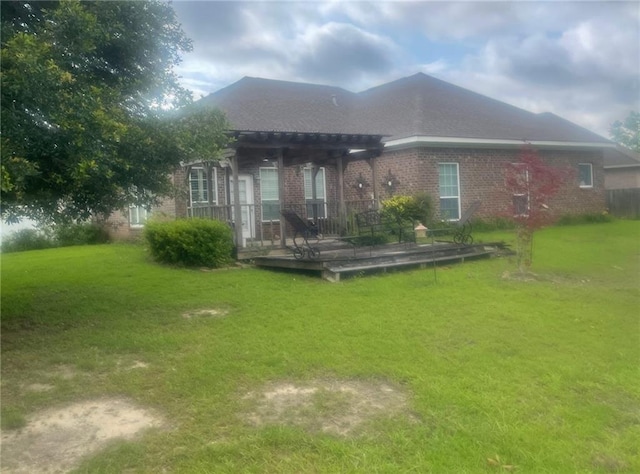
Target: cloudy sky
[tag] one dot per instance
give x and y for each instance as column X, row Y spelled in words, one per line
column 580, row 60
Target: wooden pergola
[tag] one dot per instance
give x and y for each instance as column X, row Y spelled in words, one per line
column 296, row 148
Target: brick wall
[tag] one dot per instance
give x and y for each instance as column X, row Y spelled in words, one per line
column 480, row 175
column 414, row 170
column 118, row 224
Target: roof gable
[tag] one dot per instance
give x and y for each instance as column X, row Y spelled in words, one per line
column 421, row 105
column 270, row 105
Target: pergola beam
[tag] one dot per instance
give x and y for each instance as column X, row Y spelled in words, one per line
column 299, row 140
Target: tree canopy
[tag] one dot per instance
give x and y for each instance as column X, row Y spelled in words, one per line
column 627, row 132
column 89, row 100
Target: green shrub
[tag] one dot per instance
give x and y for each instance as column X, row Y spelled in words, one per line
column 413, row 209
column 578, row 219
column 491, row 224
column 80, row 234
column 26, row 239
column 190, row 242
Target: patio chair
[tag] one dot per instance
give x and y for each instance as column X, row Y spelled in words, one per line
column 303, row 233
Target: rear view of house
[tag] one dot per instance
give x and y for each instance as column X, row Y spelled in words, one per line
column 328, row 153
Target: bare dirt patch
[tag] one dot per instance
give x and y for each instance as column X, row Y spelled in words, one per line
column 337, row 407
column 206, row 313
column 57, row 439
column 65, row 372
column 530, row 276
column 39, row 387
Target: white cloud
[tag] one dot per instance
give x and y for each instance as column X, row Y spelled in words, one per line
column 342, row 54
column 580, row 60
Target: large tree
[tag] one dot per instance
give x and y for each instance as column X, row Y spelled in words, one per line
column 627, row 132
column 89, row 95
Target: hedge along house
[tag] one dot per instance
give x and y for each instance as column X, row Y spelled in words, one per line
column 328, row 153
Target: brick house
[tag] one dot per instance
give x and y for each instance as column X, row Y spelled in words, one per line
column 327, row 153
column 621, row 168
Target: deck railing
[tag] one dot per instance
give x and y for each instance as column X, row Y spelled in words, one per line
column 261, row 232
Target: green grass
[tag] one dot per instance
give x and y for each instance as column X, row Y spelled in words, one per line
column 542, row 373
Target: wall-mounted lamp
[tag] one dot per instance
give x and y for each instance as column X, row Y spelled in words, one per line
column 361, row 184
column 390, row 182
column 269, row 161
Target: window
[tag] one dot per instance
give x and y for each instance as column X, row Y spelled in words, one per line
column 585, row 175
column 138, row 216
column 449, row 191
column 520, row 204
column 521, row 190
column 199, row 186
column 269, row 194
column 320, row 193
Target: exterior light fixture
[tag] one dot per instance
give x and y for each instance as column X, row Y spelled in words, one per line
column 360, row 183
column 390, row 182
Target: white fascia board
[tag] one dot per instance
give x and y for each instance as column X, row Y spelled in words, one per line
column 419, row 140
column 630, row 165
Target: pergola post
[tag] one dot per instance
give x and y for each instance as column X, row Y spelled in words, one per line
column 208, row 166
column 283, row 223
column 342, row 211
column 314, row 193
column 374, row 178
column 237, row 208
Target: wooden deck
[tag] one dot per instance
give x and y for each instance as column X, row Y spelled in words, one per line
column 338, row 259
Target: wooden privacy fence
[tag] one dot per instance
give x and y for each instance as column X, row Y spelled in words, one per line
column 624, row 202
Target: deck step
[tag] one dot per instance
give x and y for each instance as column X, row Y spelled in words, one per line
column 332, row 264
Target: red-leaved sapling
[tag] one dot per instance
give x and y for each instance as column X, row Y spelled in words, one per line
column 532, row 183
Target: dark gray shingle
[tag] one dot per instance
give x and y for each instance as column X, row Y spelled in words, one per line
column 416, row 105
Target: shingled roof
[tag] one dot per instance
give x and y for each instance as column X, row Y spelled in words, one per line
column 280, row 106
column 414, row 106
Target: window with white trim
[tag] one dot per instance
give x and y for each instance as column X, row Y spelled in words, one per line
column 585, row 175
column 321, row 193
column 449, row 183
column 199, row 186
column 269, row 194
column 138, row 215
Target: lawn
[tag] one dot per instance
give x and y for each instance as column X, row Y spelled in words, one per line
column 475, row 372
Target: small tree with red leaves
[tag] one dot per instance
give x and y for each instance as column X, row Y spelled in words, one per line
column 531, row 183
